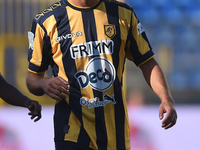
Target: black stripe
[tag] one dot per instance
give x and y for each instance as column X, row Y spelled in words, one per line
column 113, row 18
column 55, row 69
column 74, row 97
column 61, row 118
column 70, row 67
column 119, row 117
column 83, row 137
column 101, row 131
column 91, row 35
column 146, row 39
column 89, row 26
column 63, row 28
column 133, row 44
column 68, row 62
column 35, row 68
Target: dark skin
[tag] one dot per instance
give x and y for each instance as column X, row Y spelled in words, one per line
column 13, row 96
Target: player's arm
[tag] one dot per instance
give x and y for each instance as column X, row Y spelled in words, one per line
column 157, row 81
column 57, row 88
column 13, row 96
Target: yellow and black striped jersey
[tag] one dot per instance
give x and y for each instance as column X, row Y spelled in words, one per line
column 88, row 47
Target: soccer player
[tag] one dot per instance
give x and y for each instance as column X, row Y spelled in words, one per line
column 13, row 96
column 86, row 42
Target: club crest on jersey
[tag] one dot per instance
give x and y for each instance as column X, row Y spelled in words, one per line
column 31, row 39
column 99, row 73
column 110, row 30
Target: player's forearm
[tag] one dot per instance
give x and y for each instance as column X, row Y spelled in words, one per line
column 156, row 80
column 159, row 85
column 33, row 82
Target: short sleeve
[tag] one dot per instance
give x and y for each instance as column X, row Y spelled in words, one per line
column 138, row 47
column 39, row 49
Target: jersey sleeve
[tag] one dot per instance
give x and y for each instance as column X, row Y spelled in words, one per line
column 138, row 47
column 39, row 55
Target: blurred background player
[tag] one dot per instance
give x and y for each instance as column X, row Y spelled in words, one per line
column 13, row 96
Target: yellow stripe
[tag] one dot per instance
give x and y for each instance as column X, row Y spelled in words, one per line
column 74, row 130
column 124, row 28
column 51, row 27
column 2, row 56
column 76, row 24
column 2, row 64
column 38, row 46
column 126, row 124
column 101, row 20
column 109, row 111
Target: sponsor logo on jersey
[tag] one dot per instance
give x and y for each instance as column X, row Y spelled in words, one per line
column 108, row 98
column 110, row 30
column 92, row 48
column 31, row 39
column 99, row 73
column 68, row 36
column 95, row 102
column 140, row 28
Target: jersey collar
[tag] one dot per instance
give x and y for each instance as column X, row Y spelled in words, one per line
column 83, row 7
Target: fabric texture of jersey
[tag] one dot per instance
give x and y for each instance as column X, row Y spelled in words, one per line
column 87, row 47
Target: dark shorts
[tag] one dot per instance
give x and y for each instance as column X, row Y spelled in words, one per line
column 67, row 145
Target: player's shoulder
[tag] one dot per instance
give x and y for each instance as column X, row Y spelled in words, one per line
column 49, row 11
column 118, row 3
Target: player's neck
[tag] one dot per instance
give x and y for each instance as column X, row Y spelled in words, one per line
column 83, row 3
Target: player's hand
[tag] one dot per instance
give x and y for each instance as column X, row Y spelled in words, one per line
column 171, row 116
column 35, row 109
column 57, row 88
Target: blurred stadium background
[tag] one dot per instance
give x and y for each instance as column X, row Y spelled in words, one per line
column 173, row 29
